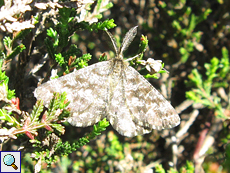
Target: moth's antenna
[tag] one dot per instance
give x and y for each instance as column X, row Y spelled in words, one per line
column 129, row 36
column 113, row 41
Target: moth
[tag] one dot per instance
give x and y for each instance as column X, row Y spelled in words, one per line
column 115, row 91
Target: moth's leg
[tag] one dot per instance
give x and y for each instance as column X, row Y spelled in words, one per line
column 130, row 59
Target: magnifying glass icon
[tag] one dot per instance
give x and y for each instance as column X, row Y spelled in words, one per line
column 9, row 160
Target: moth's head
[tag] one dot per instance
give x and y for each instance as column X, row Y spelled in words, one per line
column 119, row 56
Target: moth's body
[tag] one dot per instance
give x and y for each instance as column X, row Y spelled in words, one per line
column 114, row 90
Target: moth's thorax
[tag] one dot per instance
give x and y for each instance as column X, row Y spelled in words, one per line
column 119, row 56
column 118, row 66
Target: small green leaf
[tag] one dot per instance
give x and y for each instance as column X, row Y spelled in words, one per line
column 36, row 112
column 16, row 51
column 58, row 127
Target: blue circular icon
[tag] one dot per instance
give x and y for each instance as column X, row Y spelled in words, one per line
column 9, row 160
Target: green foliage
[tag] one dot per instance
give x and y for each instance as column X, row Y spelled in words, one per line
column 224, row 66
column 14, row 50
column 226, row 163
column 142, row 48
column 185, row 23
column 65, row 22
column 1, row 3
column 69, row 64
column 4, row 80
column 6, row 96
column 60, row 149
column 188, row 168
column 54, row 35
column 103, row 57
column 217, row 75
column 115, row 149
column 160, row 169
column 18, row 49
column 66, row 148
column 138, row 60
column 27, row 164
column 37, row 110
column 7, row 116
column 7, row 41
column 72, row 58
column 186, row 30
column 107, row 24
column 50, row 120
column 50, row 47
column 143, row 44
column 21, row 35
column 111, row 151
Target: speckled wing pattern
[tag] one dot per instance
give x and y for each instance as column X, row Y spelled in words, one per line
column 113, row 90
column 85, row 90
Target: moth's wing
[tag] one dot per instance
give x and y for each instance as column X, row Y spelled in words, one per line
column 86, row 90
column 119, row 114
column 149, row 109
